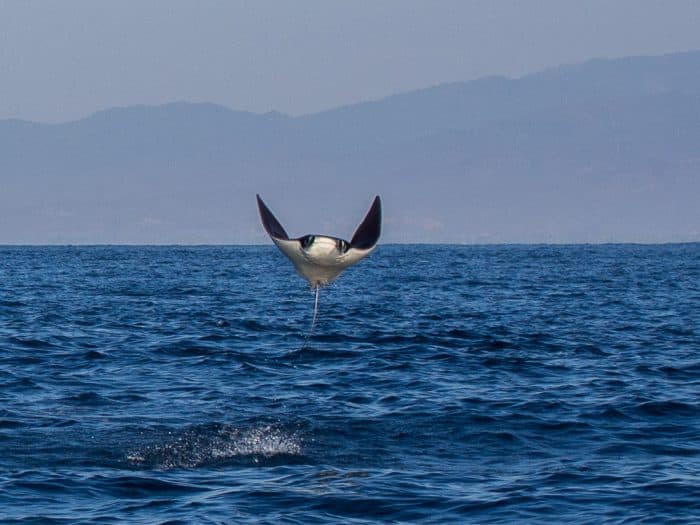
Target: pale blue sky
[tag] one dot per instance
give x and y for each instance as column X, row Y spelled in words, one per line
column 63, row 60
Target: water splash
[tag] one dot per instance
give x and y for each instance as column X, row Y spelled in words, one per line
column 212, row 444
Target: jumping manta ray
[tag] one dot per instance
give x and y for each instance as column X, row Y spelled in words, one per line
column 319, row 258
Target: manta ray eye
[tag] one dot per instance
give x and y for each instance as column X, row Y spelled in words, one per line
column 342, row 246
column 307, row 241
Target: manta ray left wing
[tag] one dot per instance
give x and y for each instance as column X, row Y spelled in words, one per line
column 290, row 247
column 272, row 226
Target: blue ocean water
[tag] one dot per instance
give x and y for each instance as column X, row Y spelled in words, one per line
column 442, row 384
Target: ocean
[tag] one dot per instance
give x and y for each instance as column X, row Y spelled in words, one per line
column 441, row 384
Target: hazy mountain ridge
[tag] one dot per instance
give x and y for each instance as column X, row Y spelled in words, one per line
column 607, row 150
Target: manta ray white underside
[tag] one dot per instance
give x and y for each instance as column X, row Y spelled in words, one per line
column 319, row 258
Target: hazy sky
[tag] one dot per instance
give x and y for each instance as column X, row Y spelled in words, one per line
column 63, row 60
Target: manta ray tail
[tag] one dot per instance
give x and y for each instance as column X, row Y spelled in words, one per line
column 313, row 321
column 317, row 289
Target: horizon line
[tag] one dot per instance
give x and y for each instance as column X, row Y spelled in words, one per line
column 215, row 245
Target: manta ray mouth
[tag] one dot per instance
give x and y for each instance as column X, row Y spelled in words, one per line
column 310, row 243
column 321, row 248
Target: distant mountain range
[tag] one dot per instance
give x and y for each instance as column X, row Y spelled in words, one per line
column 603, row 151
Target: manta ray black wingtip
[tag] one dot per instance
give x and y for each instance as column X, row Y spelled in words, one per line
column 269, row 221
column 367, row 233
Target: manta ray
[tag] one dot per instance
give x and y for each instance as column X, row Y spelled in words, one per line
column 320, row 259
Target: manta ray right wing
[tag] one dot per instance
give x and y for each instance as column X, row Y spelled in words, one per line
column 369, row 230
